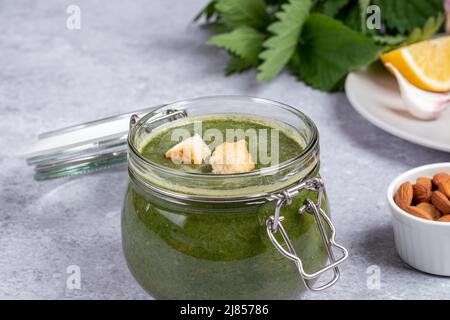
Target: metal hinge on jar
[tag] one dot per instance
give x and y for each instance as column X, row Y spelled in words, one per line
column 274, row 224
column 165, row 115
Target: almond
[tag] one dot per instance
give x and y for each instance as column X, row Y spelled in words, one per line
column 440, row 177
column 418, row 212
column 428, row 207
column 427, row 182
column 421, row 193
column 445, row 218
column 403, row 197
column 444, row 187
column 441, row 202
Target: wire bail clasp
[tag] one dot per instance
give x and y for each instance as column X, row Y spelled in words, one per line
column 166, row 115
column 273, row 224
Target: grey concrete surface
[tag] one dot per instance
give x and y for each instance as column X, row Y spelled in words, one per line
column 137, row 53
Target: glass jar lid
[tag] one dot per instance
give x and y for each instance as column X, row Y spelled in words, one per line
column 82, row 148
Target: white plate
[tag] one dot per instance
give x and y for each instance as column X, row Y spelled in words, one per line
column 374, row 93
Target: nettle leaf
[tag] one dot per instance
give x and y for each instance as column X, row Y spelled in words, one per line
column 243, row 42
column 405, row 15
column 392, row 42
column 237, row 65
column 431, row 27
column 208, row 11
column 363, row 5
column 329, row 51
column 237, row 13
column 330, row 8
column 354, row 14
column 286, row 31
column 350, row 15
column 388, row 39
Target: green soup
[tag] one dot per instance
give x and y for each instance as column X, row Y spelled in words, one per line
column 181, row 249
column 287, row 144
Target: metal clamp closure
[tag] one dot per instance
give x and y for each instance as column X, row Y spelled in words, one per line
column 169, row 115
column 273, row 224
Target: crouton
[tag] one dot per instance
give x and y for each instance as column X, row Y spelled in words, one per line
column 192, row 150
column 231, row 157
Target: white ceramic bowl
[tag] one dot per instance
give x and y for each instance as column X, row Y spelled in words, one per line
column 423, row 244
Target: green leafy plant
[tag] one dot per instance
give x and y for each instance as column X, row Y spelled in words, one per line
column 328, row 52
column 243, row 43
column 321, row 41
column 285, row 32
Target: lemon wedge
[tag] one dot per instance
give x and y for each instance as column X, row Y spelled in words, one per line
column 425, row 64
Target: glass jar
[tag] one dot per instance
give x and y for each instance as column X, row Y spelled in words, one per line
column 263, row 234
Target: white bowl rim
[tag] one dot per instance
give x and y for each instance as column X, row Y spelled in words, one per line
column 402, row 178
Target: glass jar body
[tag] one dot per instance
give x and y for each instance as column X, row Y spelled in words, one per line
column 192, row 250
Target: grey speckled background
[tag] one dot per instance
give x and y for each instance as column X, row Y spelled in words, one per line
column 138, row 53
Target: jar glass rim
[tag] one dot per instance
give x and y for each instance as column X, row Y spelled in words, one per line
column 310, row 144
